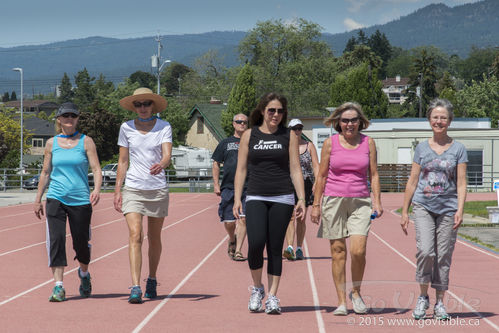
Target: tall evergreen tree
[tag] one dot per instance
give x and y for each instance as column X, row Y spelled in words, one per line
column 361, row 38
column 66, row 89
column 350, row 45
column 84, row 94
column 13, row 96
column 5, row 97
column 242, row 98
column 380, row 45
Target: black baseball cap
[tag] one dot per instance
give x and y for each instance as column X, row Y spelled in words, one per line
column 67, row 107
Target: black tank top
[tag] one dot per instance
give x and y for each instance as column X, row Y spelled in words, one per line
column 268, row 163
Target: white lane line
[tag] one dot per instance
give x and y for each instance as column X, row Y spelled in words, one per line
column 318, row 314
column 22, row 226
column 459, row 241
column 469, row 307
column 174, row 291
column 92, row 261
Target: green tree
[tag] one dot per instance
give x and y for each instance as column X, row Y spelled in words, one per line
column 13, row 96
column 144, row 79
column 5, row 97
column 84, row 94
column 380, row 45
column 172, row 76
column 10, row 138
column 360, row 54
column 242, row 98
column 495, row 67
column 360, row 85
column 102, row 88
column 480, row 99
column 362, row 38
column 400, row 63
column 350, row 45
column 178, row 118
column 66, row 90
column 479, row 62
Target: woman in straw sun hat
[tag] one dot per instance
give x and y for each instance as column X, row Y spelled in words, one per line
column 145, row 151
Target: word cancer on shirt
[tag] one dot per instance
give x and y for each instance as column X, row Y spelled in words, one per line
column 267, row 145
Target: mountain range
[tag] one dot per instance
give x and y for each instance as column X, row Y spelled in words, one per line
column 452, row 29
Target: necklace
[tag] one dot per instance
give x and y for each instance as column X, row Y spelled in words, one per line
column 68, row 136
column 147, row 119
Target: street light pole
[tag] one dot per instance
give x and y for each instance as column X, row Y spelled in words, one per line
column 21, row 168
column 155, row 63
column 420, row 95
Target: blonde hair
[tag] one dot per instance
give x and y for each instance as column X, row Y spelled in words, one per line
column 334, row 118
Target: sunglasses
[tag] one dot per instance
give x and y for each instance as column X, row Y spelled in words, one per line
column 274, row 110
column 297, row 128
column 350, row 120
column 240, row 122
column 67, row 115
column 139, row 104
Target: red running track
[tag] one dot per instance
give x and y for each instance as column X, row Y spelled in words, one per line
column 201, row 290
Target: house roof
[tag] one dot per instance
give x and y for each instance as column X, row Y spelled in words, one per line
column 212, row 114
column 392, row 81
column 39, row 127
column 36, row 103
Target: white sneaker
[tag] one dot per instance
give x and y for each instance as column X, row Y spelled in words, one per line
column 422, row 305
column 272, row 305
column 440, row 312
column 359, row 306
column 341, row 310
column 255, row 301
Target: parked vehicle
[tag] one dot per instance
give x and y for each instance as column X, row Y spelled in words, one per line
column 32, row 183
column 190, row 162
column 108, row 175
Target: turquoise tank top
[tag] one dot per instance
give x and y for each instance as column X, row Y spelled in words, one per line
column 68, row 179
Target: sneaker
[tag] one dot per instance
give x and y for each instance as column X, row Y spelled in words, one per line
column 272, row 305
column 439, row 311
column 289, row 254
column 358, row 304
column 58, row 294
column 85, row 285
column 422, row 305
column 135, row 295
column 299, row 254
column 255, row 301
column 151, row 288
column 341, row 310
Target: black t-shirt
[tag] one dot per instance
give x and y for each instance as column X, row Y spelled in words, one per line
column 226, row 154
column 268, row 163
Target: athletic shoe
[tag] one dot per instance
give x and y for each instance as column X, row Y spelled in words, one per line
column 58, row 294
column 151, row 288
column 439, row 311
column 85, row 284
column 299, row 254
column 255, row 301
column 359, row 306
column 135, row 295
column 289, row 254
column 341, row 310
column 272, row 305
column 422, row 305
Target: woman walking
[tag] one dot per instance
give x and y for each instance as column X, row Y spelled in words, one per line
column 145, row 151
column 437, row 190
column 268, row 154
column 65, row 169
column 341, row 188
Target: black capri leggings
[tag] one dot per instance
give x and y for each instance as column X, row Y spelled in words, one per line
column 266, row 224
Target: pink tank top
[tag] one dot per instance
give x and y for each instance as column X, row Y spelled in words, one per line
column 347, row 176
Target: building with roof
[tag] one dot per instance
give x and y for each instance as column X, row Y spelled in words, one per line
column 34, row 106
column 41, row 130
column 395, row 89
column 205, row 125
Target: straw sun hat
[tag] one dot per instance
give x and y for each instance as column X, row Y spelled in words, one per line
column 142, row 94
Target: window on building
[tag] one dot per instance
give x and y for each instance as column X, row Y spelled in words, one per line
column 38, row 143
column 475, row 167
column 200, row 125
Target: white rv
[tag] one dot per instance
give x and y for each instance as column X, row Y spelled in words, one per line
column 191, row 162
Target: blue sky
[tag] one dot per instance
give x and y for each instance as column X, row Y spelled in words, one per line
column 26, row 22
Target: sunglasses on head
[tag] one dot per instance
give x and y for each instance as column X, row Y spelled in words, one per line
column 67, row 115
column 240, row 122
column 297, row 128
column 350, row 120
column 139, row 104
column 274, row 110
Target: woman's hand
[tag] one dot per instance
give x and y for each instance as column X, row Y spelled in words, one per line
column 404, row 222
column 315, row 216
column 118, row 201
column 458, row 219
column 300, row 209
column 237, row 209
column 378, row 208
column 94, row 197
column 38, row 209
column 156, row 168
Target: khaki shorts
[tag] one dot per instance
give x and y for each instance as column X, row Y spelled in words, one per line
column 153, row 203
column 343, row 216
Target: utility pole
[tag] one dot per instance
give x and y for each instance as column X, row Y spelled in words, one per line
column 420, row 93
column 155, row 63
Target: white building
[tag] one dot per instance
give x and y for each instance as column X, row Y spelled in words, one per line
column 395, row 88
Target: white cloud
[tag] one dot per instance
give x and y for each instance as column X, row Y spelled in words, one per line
column 351, row 24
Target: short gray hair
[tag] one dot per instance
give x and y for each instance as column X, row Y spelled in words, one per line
column 239, row 114
column 440, row 102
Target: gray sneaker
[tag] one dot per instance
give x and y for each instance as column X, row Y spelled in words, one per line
column 422, row 305
column 359, row 306
column 272, row 305
column 439, row 311
column 255, row 301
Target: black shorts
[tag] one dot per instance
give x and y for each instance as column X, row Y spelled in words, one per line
column 309, row 195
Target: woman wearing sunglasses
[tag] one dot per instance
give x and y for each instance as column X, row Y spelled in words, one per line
column 145, row 151
column 341, row 188
column 268, row 155
column 65, row 169
column 309, row 163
